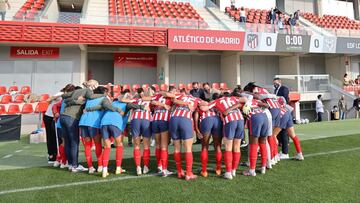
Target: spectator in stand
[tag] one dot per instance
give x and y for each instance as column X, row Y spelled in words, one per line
column 342, row 107
column 347, row 80
column 292, row 22
column 3, row 4
column 197, row 92
column 296, row 15
column 232, row 2
column 319, row 108
column 242, row 15
column 356, row 82
column 280, row 24
column 272, row 16
column 208, row 91
column 277, row 12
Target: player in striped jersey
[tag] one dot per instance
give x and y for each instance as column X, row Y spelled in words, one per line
column 141, row 126
column 233, row 121
column 181, row 131
column 272, row 113
column 288, row 124
column 160, row 127
column 210, row 125
column 258, row 127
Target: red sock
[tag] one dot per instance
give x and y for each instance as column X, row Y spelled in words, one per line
column 204, row 160
column 263, row 153
column 228, row 160
column 62, row 154
column 146, row 157
column 106, row 157
column 158, row 156
column 119, row 155
column 88, row 155
column 272, row 146
column 98, row 152
column 253, row 155
column 137, row 157
column 189, row 163
column 164, row 158
column 297, row 144
column 177, row 158
column 218, row 160
column 236, row 160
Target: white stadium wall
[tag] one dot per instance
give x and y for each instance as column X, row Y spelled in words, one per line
column 258, row 4
column 51, row 13
column 312, row 65
column 189, row 68
column 302, row 5
column 44, row 75
column 339, row 8
column 135, row 75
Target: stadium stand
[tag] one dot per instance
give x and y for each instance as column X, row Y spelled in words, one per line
column 153, row 13
column 252, row 15
column 30, row 9
column 27, row 109
column 332, row 21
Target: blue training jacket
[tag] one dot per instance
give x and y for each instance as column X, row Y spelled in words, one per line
column 114, row 118
column 62, row 108
column 93, row 118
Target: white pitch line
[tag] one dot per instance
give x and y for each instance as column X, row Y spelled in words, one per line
column 7, row 156
column 135, row 177
column 17, row 151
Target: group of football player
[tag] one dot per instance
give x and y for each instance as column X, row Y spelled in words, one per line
column 101, row 120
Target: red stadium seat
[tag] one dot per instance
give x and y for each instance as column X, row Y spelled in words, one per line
column 5, row 99
column 2, row 90
column 13, row 88
column 117, row 88
column 163, row 87
column 156, row 86
column 215, row 86
column 41, row 107
column 19, row 98
column 223, row 86
column 126, row 87
column 44, row 97
column 135, row 87
column 2, row 109
column 27, row 108
column 13, row 109
column 25, row 90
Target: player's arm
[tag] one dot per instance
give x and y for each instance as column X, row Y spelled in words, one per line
column 263, row 104
column 130, row 106
column 72, row 102
column 89, row 94
column 156, row 103
column 167, row 94
column 106, row 104
column 233, row 107
column 196, row 124
column 179, row 102
column 267, row 96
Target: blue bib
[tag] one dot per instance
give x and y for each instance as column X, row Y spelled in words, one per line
column 93, row 118
column 114, row 118
column 62, row 108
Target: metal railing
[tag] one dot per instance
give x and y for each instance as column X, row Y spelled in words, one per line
column 306, row 83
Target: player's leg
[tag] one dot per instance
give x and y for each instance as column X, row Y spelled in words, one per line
column 87, row 147
column 217, row 134
column 205, row 128
column 239, row 135
column 186, row 135
column 146, row 134
column 119, row 152
column 135, row 131
column 291, row 132
column 175, row 136
column 98, row 150
column 230, row 129
column 155, row 130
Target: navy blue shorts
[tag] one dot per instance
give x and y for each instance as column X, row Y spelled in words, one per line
column 275, row 113
column 159, row 126
column 140, row 127
column 258, row 125
column 234, row 130
column 181, row 128
column 108, row 131
column 286, row 121
column 211, row 125
column 86, row 131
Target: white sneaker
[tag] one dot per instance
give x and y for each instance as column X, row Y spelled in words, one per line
column 70, row 167
column 299, row 157
column 268, row 165
column 105, row 172
column 80, row 168
column 138, row 171
column 92, row 170
column 146, row 170
column 277, row 158
column 263, row 170
column 93, row 148
column 273, row 163
column 56, row 164
column 166, row 173
column 119, row 170
column 100, row 169
column 152, row 143
column 233, row 173
column 228, row 176
column 160, row 170
column 64, row 166
column 283, row 156
column 249, row 172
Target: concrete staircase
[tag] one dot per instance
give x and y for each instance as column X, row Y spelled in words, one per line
column 225, row 19
column 15, row 6
column 96, row 12
column 213, row 22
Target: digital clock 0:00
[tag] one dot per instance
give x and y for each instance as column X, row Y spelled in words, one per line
column 293, row 40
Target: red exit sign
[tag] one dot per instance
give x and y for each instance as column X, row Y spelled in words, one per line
column 34, row 52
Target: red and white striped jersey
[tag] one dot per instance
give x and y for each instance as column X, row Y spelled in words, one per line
column 283, row 112
column 272, row 102
column 139, row 113
column 184, row 111
column 224, row 103
column 207, row 114
column 160, row 113
column 255, row 109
